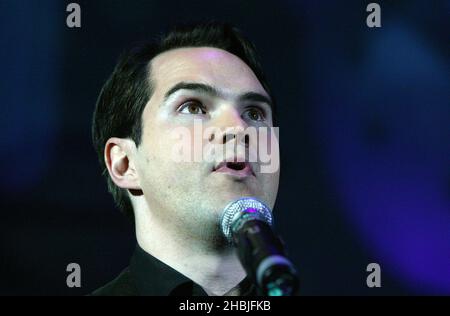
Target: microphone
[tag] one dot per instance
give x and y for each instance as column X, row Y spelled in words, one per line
column 246, row 224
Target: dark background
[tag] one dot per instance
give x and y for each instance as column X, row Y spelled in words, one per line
column 364, row 134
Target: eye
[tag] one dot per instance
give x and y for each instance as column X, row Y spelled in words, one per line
column 192, row 107
column 256, row 114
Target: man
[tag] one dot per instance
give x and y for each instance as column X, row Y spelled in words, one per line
column 206, row 73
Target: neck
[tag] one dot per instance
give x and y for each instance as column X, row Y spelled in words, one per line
column 216, row 269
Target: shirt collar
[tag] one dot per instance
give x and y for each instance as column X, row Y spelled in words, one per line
column 155, row 278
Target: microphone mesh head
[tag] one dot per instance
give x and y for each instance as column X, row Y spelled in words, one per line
column 248, row 205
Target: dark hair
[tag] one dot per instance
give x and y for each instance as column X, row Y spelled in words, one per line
column 123, row 97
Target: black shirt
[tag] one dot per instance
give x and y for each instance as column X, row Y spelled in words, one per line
column 148, row 276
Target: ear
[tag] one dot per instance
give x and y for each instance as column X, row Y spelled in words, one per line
column 119, row 159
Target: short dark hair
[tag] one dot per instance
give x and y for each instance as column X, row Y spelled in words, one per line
column 122, row 99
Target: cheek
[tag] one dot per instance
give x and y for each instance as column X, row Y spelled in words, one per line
column 163, row 136
column 272, row 179
column 187, row 143
column 270, row 182
column 167, row 155
column 271, row 189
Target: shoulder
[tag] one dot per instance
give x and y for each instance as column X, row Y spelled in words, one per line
column 122, row 285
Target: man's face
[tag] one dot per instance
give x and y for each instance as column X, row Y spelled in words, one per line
column 191, row 195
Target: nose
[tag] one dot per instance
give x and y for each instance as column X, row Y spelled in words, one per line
column 230, row 126
column 240, row 136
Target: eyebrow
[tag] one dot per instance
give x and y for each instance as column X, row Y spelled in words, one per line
column 213, row 91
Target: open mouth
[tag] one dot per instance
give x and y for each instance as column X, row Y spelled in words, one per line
column 236, row 165
column 238, row 169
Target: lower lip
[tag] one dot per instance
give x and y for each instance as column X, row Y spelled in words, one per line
column 246, row 172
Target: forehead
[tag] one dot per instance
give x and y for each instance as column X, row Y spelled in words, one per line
column 207, row 65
